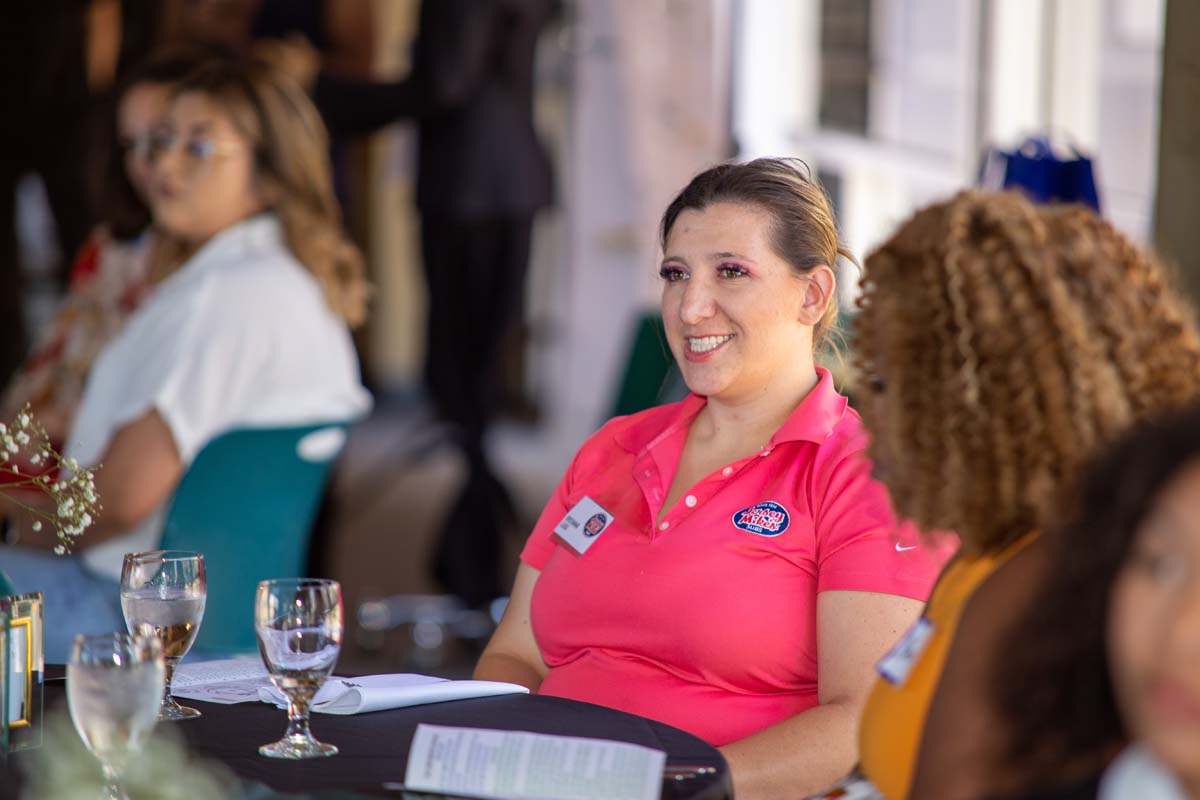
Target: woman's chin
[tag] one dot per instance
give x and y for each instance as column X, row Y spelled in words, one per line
column 703, row 382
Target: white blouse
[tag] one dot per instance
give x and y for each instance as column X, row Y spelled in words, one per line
column 239, row 336
column 1137, row 775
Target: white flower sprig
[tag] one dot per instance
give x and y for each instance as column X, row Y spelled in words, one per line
column 30, row 464
column 163, row 769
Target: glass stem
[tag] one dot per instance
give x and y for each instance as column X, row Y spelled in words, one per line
column 298, row 719
column 112, row 782
column 169, row 671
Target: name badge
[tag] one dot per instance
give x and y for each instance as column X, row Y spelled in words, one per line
column 583, row 525
column 899, row 661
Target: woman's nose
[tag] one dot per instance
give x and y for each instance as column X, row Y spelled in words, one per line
column 164, row 161
column 698, row 303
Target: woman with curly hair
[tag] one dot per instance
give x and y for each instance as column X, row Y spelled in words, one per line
column 1117, row 627
column 1002, row 342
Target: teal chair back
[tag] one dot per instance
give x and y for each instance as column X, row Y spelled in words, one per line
column 6, row 587
column 247, row 502
column 649, row 365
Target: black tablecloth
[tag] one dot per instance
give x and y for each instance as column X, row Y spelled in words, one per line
column 373, row 748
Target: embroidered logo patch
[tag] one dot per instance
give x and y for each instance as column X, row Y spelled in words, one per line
column 767, row 518
column 594, row 525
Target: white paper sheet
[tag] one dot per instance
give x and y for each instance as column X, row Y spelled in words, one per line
column 531, row 766
column 379, row 692
column 234, row 680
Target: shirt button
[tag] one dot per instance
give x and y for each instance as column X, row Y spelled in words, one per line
column 727, row 471
column 690, row 500
column 662, row 526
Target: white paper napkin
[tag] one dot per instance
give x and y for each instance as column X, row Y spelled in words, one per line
column 380, row 692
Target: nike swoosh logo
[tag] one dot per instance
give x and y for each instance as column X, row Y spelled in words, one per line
column 900, row 549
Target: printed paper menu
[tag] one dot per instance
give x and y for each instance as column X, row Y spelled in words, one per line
column 531, row 766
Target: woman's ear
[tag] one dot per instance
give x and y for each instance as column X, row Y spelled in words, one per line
column 820, row 285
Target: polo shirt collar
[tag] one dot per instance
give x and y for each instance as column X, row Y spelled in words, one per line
column 812, row 420
column 817, row 415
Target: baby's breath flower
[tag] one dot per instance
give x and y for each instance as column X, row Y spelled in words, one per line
column 70, row 488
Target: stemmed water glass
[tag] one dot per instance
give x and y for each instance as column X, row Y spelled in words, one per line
column 163, row 594
column 114, row 681
column 298, row 622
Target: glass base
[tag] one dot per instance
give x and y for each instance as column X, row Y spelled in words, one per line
column 297, row 747
column 170, row 711
column 113, row 792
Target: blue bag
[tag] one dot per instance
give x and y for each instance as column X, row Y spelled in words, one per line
column 1045, row 177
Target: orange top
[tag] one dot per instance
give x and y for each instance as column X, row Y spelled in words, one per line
column 894, row 717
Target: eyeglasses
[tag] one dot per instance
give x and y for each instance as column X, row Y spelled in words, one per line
column 198, row 151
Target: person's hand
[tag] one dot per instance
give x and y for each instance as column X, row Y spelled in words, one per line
column 294, row 57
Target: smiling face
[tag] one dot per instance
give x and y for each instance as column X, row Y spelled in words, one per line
column 1154, row 629
column 738, row 318
column 203, row 178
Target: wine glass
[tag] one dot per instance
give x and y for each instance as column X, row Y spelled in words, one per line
column 114, row 681
column 298, row 622
column 163, row 593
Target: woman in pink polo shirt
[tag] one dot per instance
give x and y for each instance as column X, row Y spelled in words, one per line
column 727, row 564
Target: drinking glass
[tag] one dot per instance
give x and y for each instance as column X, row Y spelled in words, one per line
column 298, row 622
column 114, row 681
column 163, row 593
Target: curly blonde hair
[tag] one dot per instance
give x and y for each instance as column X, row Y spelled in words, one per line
column 1006, row 341
column 291, row 159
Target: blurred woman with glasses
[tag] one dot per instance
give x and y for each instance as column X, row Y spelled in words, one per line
column 110, row 277
column 248, row 327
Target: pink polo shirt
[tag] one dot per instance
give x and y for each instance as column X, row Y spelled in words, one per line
column 707, row 621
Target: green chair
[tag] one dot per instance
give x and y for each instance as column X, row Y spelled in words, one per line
column 247, row 502
column 6, row 587
column 650, row 376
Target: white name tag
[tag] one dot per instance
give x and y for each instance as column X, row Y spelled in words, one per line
column 899, row 661
column 583, row 525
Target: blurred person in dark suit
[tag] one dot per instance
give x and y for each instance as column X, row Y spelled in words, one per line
column 339, row 30
column 482, row 175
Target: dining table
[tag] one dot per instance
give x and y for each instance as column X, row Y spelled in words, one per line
column 373, row 747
